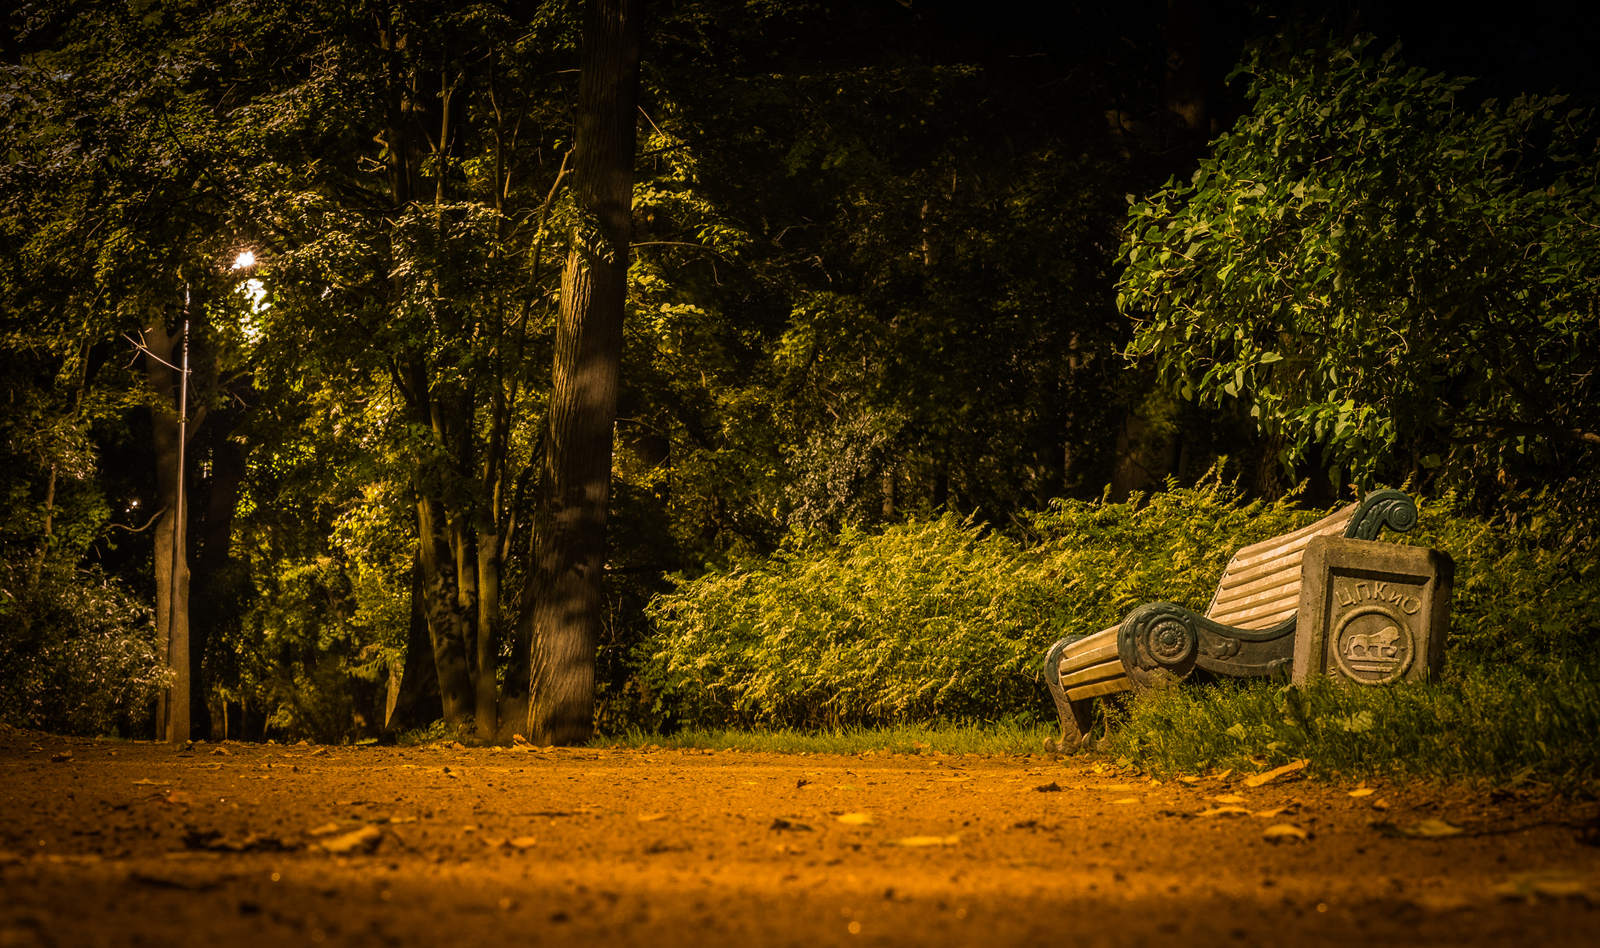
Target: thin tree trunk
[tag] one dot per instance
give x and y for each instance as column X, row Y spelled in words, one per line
column 171, row 557
column 570, row 543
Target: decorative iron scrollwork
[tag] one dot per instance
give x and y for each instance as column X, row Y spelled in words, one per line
column 1382, row 508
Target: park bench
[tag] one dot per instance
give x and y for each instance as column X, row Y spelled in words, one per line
column 1248, row 631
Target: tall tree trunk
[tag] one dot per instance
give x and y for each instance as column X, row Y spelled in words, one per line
column 209, row 604
column 418, row 703
column 172, row 560
column 447, row 620
column 570, row 542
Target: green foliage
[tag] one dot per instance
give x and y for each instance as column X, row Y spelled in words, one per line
column 932, row 619
column 1527, row 583
column 1498, row 724
column 936, row 619
column 1377, row 269
column 77, row 654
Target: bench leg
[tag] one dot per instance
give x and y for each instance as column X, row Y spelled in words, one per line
column 1077, row 717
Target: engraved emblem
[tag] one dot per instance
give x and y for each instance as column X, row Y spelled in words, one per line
column 1373, row 645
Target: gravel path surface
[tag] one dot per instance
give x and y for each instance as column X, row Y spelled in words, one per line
column 239, row 844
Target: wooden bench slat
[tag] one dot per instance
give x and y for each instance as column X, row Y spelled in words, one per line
column 1260, row 617
column 1271, row 584
column 1101, row 688
column 1105, row 651
column 1099, row 672
column 1267, row 549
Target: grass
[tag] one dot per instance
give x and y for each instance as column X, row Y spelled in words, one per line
column 1496, row 726
column 986, row 738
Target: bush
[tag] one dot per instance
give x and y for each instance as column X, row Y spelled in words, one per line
column 931, row 619
column 77, row 654
column 939, row 620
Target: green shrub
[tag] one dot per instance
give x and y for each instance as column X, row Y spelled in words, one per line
column 932, row 619
column 77, row 654
column 938, row 620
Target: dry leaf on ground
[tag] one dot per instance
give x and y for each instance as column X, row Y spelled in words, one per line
column 783, row 824
column 855, row 819
column 1552, row 884
column 925, row 841
column 1229, row 798
column 1277, row 810
column 1427, row 829
column 1283, row 832
column 364, row 839
column 1362, row 792
column 61, row 758
column 521, row 842
column 1124, row 801
column 1223, row 811
column 1271, row 775
column 651, row 817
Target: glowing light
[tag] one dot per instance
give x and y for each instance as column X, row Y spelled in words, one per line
column 246, row 259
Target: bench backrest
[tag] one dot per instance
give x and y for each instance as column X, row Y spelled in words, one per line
column 1261, row 586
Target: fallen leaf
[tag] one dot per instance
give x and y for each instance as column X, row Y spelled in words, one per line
column 1224, row 775
column 1362, row 792
column 1427, row 829
column 1124, row 801
column 303, row 744
column 521, row 842
column 1275, row 773
column 1283, row 832
column 1277, row 811
column 519, row 740
column 213, row 840
column 326, row 829
column 1223, row 811
column 925, row 841
column 65, row 757
column 1229, row 798
column 952, row 779
column 318, row 751
column 1380, row 804
column 783, row 824
column 179, row 798
column 1189, row 779
column 457, row 746
column 147, row 782
column 364, row 839
column 495, row 842
column 1550, row 883
column 651, row 817
column 1051, row 787
column 220, row 750
column 855, row 819
column 1442, row 903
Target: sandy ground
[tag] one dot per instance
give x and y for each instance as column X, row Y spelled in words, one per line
column 149, row 844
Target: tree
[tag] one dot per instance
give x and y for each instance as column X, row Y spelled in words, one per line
column 569, row 559
column 1392, row 281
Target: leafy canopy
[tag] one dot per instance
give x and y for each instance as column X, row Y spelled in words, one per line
column 1379, row 270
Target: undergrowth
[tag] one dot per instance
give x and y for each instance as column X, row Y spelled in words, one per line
column 845, row 640
column 985, row 738
column 1499, row 725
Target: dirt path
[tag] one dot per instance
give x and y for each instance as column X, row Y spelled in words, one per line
column 141, row 844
